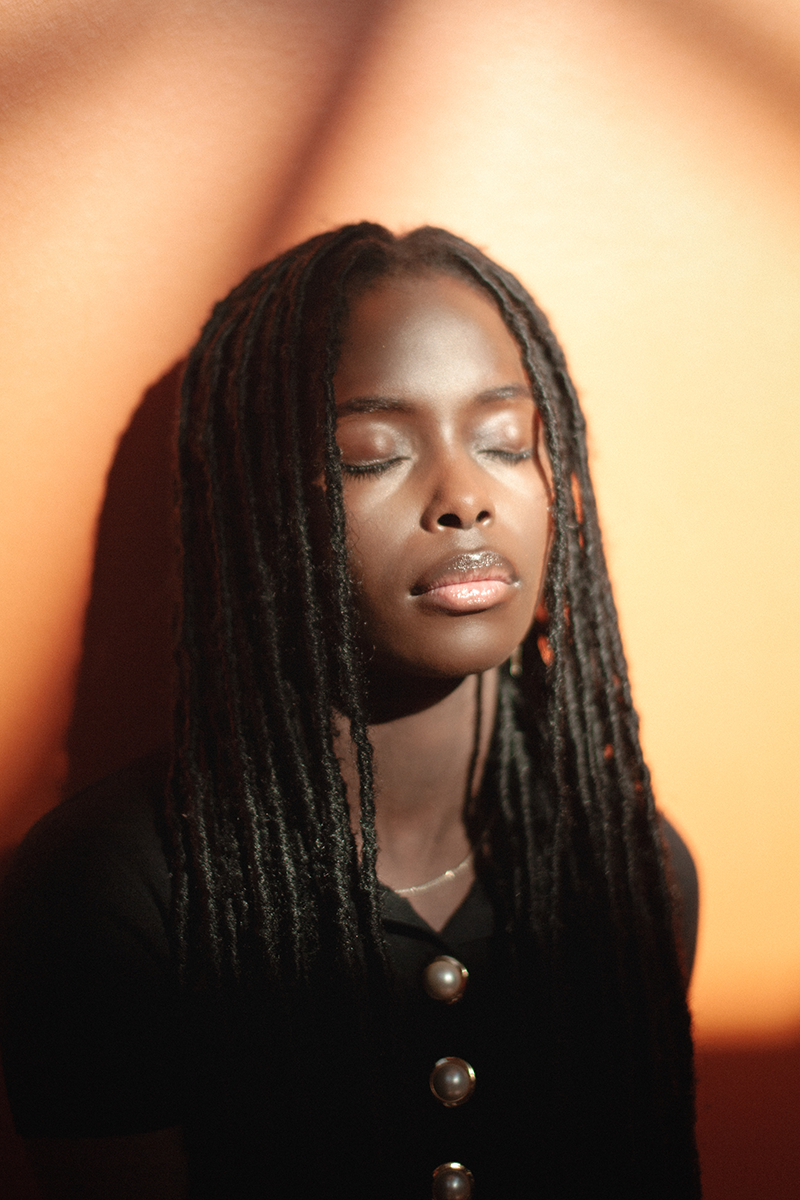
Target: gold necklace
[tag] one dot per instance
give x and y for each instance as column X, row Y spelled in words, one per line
column 445, row 877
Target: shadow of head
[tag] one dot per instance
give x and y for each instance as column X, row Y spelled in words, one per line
column 123, row 697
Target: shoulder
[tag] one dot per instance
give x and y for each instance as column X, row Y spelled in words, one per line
column 682, row 874
column 90, row 880
column 88, row 995
column 102, row 845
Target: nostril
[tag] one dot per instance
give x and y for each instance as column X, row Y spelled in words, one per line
column 454, row 521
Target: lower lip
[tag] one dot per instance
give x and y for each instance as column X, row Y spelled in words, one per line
column 468, row 597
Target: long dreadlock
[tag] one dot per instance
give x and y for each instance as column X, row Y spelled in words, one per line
column 269, row 882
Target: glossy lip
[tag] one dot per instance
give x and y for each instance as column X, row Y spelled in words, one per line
column 467, row 582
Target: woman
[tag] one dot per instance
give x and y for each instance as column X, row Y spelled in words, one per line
column 408, row 919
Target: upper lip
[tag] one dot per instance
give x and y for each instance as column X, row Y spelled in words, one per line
column 466, row 567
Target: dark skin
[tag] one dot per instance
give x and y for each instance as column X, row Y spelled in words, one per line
column 443, row 460
column 447, row 493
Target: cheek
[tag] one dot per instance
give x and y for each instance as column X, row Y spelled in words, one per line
column 371, row 552
column 379, row 521
column 544, row 541
column 529, row 516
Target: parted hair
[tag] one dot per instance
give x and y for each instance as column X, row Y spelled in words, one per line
column 269, row 881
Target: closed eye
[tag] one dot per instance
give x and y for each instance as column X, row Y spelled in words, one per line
column 369, row 468
column 510, row 456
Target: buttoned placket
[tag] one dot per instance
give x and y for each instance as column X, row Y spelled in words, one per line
column 438, row 988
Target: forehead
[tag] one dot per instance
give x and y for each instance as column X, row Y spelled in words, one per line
column 416, row 336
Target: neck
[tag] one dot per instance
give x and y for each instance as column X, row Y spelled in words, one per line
column 422, row 766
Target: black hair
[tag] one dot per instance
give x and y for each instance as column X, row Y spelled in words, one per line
column 269, row 882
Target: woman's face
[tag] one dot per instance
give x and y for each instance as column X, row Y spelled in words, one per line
column 445, row 481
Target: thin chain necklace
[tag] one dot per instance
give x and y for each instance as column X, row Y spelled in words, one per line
column 445, row 877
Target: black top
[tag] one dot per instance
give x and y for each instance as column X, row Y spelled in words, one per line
column 94, row 1027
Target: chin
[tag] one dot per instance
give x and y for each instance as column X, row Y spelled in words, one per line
column 443, row 647
column 442, row 661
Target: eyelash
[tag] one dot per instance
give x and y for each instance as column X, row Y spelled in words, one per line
column 361, row 470
column 510, row 456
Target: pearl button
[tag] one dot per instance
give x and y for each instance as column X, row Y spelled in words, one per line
column 451, row 1181
column 445, row 979
column 452, row 1081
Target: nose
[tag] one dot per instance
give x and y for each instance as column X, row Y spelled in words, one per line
column 459, row 497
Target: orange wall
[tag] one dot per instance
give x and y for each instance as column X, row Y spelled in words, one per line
column 636, row 163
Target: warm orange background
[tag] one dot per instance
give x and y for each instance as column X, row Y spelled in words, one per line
column 634, row 161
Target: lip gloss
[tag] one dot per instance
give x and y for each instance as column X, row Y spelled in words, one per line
column 467, row 596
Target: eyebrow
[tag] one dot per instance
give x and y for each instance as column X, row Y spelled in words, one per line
column 511, row 391
column 373, row 404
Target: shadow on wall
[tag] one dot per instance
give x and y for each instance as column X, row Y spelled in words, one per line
column 123, row 694
column 748, row 1122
